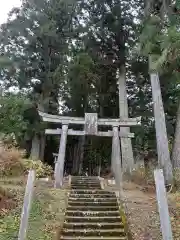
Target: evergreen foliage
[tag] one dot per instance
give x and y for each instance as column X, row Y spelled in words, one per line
column 65, row 55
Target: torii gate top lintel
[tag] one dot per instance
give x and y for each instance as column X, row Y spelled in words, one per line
column 91, row 118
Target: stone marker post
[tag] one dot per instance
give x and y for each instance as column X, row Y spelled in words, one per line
column 161, row 132
column 26, row 205
column 163, row 205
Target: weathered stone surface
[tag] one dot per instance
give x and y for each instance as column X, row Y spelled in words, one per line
column 161, row 132
column 163, row 205
column 26, row 205
column 91, row 126
column 59, row 167
column 123, row 121
column 92, row 214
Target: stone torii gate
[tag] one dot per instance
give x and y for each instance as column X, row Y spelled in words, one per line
column 91, row 123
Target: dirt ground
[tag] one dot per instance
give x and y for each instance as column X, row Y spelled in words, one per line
column 142, row 214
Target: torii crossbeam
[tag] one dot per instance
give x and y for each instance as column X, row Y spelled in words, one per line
column 121, row 122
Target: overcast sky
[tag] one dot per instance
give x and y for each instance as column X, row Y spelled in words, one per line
column 6, row 6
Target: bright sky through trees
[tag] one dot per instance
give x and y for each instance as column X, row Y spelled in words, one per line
column 6, row 6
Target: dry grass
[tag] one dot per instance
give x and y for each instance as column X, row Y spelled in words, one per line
column 13, row 164
column 142, row 176
column 48, row 204
column 11, row 161
column 46, row 214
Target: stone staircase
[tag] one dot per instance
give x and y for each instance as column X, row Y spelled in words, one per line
column 92, row 213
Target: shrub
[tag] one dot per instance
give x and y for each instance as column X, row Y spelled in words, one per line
column 42, row 169
column 13, row 164
column 10, row 161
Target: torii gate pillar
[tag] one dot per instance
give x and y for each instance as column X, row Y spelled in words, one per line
column 59, row 166
column 116, row 156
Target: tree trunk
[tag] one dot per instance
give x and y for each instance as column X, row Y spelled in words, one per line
column 42, row 146
column 35, row 148
column 161, row 132
column 42, row 137
column 83, row 138
column 176, row 145
column 75, row 159
column 81, row 157
column 126, row 145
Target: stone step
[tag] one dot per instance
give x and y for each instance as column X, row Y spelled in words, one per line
column 84, row 177
column 92, row 238
column 92, row 208
column 85, row 187
column 82, row 191
column 84, row 180
column 92, row 199
column 93, row 219
column 92, row 203
column 86, row 183
column 93, row 232
column 92, row 192
column 90, row 196
column 90, row 225
column 91, row 213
